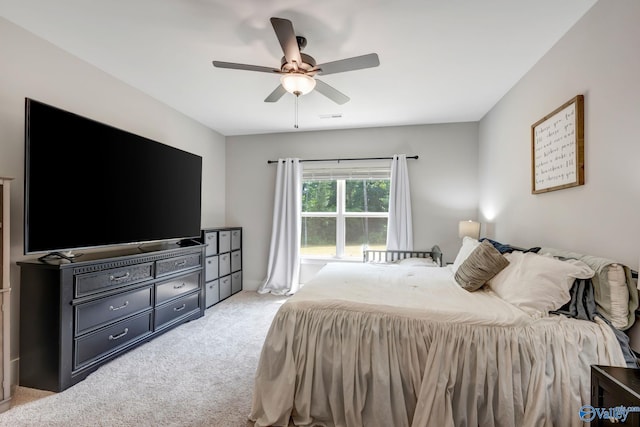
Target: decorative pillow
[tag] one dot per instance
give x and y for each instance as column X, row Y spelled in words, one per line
column 468, row 245
column 418, row 262
column 619, row 292
column 482, row 264
column 537, row 284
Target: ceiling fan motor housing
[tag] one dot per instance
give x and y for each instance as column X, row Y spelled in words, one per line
column 308, row 63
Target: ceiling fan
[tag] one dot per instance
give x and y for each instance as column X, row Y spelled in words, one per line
column 298, row 70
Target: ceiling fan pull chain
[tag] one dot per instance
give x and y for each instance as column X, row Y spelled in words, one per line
column 295, row 125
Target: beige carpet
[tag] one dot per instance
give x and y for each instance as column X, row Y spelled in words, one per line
column 199, row 374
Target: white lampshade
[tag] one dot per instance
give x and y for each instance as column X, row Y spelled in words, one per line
column 297, row 83
column 469, row 228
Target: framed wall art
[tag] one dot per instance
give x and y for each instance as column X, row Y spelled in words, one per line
column 557, row 148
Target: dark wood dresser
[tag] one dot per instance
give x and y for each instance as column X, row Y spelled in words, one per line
column 76, row 316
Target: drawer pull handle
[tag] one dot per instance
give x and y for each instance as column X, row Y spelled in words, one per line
column 115, row 337
column 181, row 263
column 179, row 308
column 116, row 278
column 112, row 308
column 179, row 286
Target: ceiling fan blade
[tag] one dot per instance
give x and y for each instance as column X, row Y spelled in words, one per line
column 330, row 92
column 287, row 38
column 235, row 66
column 276, row 94
column 349, row 64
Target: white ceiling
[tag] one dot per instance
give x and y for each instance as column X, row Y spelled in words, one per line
column 440, row 60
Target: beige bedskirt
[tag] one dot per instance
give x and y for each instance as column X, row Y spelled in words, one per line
column 342, row 363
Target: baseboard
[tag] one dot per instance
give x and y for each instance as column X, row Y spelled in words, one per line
column 14, row 374
column 250, row 285
column 5, row 405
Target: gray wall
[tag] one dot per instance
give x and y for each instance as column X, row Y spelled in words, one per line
column 32, row 67
column 599, row 57
column 443, row 180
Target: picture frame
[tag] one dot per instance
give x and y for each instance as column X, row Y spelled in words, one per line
column 557, row 148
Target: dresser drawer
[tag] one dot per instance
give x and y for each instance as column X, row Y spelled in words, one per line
column 224, row 241
column 176, row 309
column 224, row 262
column 212, row 293
column 211, row 268
column 174, row 265
column 236, row 260
column 211, row 239
column 225, row 287
column 105, row 310
column 87, row 284
column 236, row 239
column 106, row 340
column 177, row 287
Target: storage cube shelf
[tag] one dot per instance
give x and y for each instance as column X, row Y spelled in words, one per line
column 223, row 264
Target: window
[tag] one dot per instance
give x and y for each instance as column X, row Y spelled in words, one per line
column 341, row 216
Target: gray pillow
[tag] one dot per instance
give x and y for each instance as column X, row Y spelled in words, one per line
column 482, row 264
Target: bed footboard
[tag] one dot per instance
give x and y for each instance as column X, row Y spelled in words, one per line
column 375, row 255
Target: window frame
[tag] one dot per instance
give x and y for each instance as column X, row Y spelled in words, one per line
column 341, row 215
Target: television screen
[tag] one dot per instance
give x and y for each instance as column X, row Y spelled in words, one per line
column 89, row 185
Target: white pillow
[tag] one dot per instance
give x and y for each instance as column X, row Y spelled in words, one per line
column 468, row 245
column 537, row 284
column 418, row 262
column 619, row 314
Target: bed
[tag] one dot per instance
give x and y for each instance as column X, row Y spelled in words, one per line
column 403, row 343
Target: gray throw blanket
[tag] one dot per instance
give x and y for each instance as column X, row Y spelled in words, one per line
column 582, row 305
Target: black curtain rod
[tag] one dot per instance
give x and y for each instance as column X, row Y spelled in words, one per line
column 345, row 160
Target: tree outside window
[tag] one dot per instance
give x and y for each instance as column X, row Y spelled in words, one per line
column 341, row 217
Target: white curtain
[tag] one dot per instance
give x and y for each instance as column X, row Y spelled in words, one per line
column 284, row 260
column 400, row 226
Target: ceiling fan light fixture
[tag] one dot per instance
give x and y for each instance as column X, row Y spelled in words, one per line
column 297, row 83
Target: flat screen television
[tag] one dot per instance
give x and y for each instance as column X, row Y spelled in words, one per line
column 88, row 185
